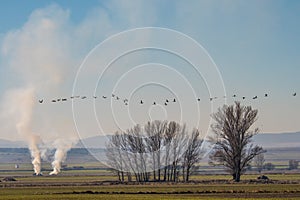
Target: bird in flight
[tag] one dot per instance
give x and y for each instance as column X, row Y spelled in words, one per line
column 64, row 99
column 41, row 101
column 166, row 104
column 234, row 95
column 104, row 97
column 244, row 97
column 254, row 97
column 266, row 95
column 154, row 103
column 294, row 94
column 167, row 100
column 95, row 97
column 141, row 102
column 174, row 100
column 198, row 99
column 53, row 100
column 84, row 97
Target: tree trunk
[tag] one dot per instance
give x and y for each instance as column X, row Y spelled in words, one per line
column 236, row 176
column 183, row 173
column 122, row 173
column 187, row 174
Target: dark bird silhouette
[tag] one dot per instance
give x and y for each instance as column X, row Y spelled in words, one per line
column 113, row 95
column 198, row 99
column 167, row 100
column 234, row 95
column 57, row 99
column 72, row 97
column 294, row 94
column 210, row 98
column 254, row 97
column 53, row 100
column 41, row 101
column 64, row 99
column 118, row 98
column 126, row 104
column 141, row 102
column 104, row 97
column 266, row 95
column 95, row 97
column 244, row 97
column 154, row 103
column 84, row 97
column 174, row 100
column 166, row 104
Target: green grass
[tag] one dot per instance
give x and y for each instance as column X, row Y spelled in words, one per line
column 134, row 197
column 238, row 191
column 291, row 177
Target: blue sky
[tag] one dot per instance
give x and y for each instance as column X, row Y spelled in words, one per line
column 255, row 45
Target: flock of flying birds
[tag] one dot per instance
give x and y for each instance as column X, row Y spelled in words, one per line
column 125, row 101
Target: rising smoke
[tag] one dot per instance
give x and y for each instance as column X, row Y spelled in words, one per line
column 21, row 104
column 43, row 57
column 39, row 53
column 60, row 156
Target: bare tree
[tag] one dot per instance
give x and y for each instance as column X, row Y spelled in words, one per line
column 136, row 147
column 114, row 155
column 233, row 146
column 192, row 154
column 177, row 149
column 171, row 130
column 166, row 150
column 259, row 162
column 155, row 131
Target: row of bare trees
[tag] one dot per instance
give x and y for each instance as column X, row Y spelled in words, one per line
column 160, row 151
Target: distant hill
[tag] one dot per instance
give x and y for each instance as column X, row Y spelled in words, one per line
column 276, row 140
column 12, row 144
column 267, row 140
column 93, row 142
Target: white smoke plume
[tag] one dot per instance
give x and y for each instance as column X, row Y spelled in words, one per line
column 35, row 154
column 43, row 55
column 59, row 156
column 39, row 54
column 24, row 126
column 20, row 103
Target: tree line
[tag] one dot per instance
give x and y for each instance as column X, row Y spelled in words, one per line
column 167, row 151
column 159, row 151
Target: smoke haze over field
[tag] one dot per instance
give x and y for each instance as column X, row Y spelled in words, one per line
column 39, row 54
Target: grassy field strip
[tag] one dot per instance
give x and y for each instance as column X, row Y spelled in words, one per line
column 142, row 197
column 159, row 188
column 148, row 192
